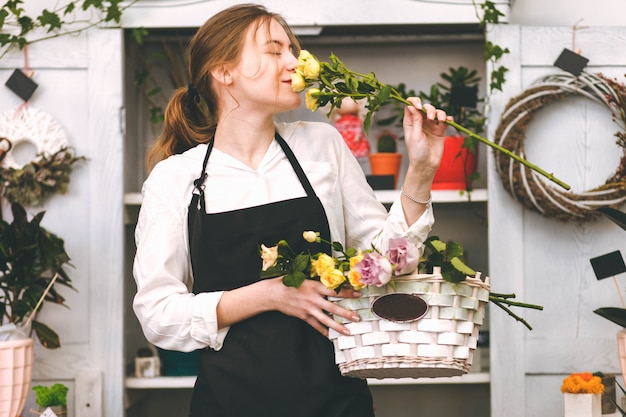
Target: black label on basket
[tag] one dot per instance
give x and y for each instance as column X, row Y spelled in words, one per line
column 400, row 308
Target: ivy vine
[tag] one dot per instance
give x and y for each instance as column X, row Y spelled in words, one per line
column 493, row 52
column 17, row 28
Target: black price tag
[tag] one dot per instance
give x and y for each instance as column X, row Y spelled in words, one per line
column 21, row 84
column 608, row 265
column 571, row 62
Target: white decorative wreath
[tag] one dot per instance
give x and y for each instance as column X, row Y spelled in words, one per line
column 28, row 125
column 49, row 169
column 525, row 185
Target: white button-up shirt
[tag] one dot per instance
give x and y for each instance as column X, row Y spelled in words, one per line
column 171, row 316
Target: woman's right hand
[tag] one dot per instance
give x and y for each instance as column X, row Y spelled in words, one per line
column 309, row 303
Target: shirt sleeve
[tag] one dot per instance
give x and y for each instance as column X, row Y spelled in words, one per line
column 171, row 316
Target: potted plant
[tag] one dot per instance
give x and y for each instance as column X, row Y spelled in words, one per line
column 386, row 161
column 31, row 263
column 53, row 398
column 31, row 268
column 458, row 96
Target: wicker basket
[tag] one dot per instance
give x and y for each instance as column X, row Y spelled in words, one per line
column 440, row 344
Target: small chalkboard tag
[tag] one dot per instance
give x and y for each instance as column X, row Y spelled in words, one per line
column 400, row 308
column 21, row 84
column 608, row 265
column 571, row 62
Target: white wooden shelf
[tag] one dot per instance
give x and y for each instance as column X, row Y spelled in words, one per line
column 184, row 382
column 384, row 196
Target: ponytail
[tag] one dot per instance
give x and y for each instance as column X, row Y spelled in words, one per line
column 185, row 125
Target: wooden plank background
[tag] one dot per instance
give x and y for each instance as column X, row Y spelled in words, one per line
column 543, row 260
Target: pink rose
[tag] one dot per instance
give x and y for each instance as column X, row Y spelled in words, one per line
column 404, row 254
column 375, row 269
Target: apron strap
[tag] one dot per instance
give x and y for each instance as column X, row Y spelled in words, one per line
column 198, row 200
column 296, row 166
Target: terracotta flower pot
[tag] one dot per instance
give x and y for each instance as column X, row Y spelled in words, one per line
column 386, row 163
column 457, row 164
column 16, row 365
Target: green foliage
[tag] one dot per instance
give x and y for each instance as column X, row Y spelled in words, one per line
column 613, row 314
column 30, row 258
column 441, row 95
column 493, row 53
column 16, row 27
column 45, row 175
column 448, row 256
column 160, row 69
column 294, row 268
column 386, row 143
column 54, row 396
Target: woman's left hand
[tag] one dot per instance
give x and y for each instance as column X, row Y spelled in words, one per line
column 424, row 133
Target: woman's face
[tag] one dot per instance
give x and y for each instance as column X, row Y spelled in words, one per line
column 262, row 78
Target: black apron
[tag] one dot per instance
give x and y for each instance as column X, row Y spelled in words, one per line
column 272, row 364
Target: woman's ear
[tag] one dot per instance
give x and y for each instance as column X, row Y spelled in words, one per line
column 222, row 75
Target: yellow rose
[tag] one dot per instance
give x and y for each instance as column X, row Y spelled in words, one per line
column 311, row 98
column 311, row 236
column 332, row 278
column 321, row 265
column 311, row 70
column 308, row 65
column 297, row 82
column 354, row 277
column 269, row 256
column 356, row 258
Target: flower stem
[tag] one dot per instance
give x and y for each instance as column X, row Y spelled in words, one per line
column 505, row 300
column 511, row 313
column 396, row 96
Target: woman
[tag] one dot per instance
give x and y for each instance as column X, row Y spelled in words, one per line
column 228, row 179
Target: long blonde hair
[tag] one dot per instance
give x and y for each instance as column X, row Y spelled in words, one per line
column 191, row 114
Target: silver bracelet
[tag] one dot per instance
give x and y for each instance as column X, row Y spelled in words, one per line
column 410, row 197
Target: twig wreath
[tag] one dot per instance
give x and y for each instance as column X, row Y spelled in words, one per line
column 525, row 185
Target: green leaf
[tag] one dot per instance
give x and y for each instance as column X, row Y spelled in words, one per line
column 437, row 245
column 454, row 249
column 69, row 8
column 294, row 280
column 337, row 246
column 26, row 23
column 300, row 263
column 460, row 266
column 139, row 34
column 451, row 274
column 52, row 20
column 367, row 121
column 613, row 314
column 616, row 216
column 3, row 15
column 48, row 338
column 385, row 91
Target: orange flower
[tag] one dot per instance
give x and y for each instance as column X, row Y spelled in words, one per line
column 582, row 383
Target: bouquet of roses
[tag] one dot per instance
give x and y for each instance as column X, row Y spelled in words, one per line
column 352, row 267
